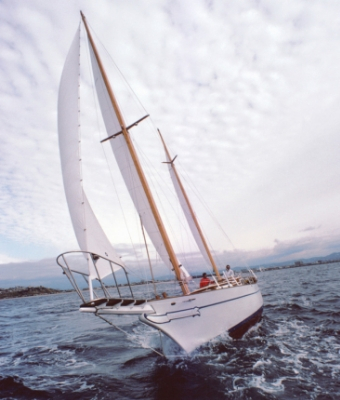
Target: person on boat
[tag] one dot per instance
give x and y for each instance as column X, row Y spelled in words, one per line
column 185, row 276
column 229, row 273
column 205, row 281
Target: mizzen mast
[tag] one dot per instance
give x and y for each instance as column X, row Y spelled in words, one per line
column 192, row 214
column 137, row 164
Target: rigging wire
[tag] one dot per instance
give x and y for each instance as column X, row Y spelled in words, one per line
column 136, row 100
column 205, row 205
column 98, row 131
column 147, row 250
column 190, row 184
column 130, row 90
column 159, row 187
column 182, row 221
column 125, row 333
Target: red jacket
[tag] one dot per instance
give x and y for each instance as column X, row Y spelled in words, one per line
column 204, row 282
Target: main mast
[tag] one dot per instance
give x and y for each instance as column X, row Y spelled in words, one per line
column 137, row 165
column 193, row 216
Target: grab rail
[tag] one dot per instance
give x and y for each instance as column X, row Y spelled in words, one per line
column 69, row 272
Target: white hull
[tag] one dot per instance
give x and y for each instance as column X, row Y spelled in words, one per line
column 195, row 319
column 190, row 319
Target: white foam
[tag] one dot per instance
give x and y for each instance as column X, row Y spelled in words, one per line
column 267, row 386
column 261, row 363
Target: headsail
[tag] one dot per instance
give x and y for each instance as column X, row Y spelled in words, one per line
column 88, row 231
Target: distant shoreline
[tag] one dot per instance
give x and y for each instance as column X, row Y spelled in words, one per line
column 20, row 291
column 297, row 264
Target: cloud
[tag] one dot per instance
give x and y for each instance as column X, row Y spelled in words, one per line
column 46, row 271
column 292, row 250
column 310, row 228
column 245, row 93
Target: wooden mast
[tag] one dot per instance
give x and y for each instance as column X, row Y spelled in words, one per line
column 193, row 216
column 137, row 164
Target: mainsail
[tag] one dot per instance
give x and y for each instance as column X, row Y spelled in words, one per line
column 129, row 165
column 126, row 165
column 89, row 233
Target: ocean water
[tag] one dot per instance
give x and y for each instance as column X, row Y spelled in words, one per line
column 49, row 350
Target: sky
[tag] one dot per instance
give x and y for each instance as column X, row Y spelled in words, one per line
column 246, row 93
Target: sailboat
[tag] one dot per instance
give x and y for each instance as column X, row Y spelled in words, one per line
column 192, row 317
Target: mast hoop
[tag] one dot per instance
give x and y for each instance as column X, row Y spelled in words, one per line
column 127, row 128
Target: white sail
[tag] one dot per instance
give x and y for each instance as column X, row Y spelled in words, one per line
column 126, row 165
column 186, row 209
column 223, row 306
column 90, row 235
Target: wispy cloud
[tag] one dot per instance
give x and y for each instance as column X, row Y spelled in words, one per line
column 310, row 228
column 246, row 94
column 46, row 271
